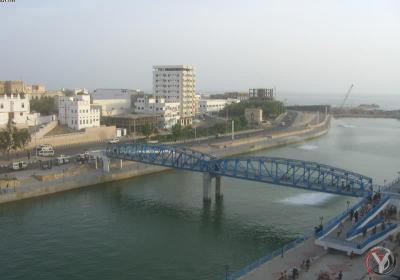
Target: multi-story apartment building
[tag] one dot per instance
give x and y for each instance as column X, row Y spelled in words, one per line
column 77, row 113
column 176, row 84
column 14, row 108
column 169, row 111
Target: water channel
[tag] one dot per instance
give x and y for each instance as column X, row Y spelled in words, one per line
column 156, row 227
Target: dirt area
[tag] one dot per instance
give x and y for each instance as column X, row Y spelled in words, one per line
column 60, row 129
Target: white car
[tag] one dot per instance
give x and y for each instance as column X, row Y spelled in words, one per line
column 113, row 141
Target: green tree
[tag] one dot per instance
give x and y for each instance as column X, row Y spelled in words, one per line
column 68, row 92
column 146, row 130
column 270, row 108
column 12, row 138
column 44, row 106
column 176, row 131
column 21, row 138
column 6, row 141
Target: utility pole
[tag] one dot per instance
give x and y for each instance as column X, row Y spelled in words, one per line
column 233, row 130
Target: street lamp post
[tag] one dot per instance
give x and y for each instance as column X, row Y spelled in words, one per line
column 321, row 218
column 233, row 130
column 226, row 271
column 35, row 130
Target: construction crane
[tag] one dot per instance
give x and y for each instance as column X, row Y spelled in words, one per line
column 346, row 96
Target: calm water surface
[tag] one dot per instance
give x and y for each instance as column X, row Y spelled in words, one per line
column 156, row 227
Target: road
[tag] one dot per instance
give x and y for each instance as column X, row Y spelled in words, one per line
column 290, row 122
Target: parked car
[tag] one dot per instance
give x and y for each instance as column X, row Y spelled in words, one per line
column 113, row 141
column 46, row 164
column 18, row 165
column 62, row 159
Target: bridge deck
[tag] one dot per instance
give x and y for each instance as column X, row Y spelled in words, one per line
column 277, row 171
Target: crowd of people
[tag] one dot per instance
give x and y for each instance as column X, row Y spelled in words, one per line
column 294, row 273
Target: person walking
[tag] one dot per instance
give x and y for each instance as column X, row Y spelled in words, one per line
column 340, row 275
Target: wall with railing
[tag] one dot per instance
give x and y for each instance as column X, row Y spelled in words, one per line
column 280, row 251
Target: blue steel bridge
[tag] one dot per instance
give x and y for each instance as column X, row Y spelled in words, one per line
column 289, row 173
column 272, row 170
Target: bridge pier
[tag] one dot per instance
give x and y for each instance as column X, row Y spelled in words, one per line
column 218, row 193
column 106, row 164
column 207, row 187
column 120, row 164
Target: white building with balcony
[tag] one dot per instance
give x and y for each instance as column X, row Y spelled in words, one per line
column 169, row 111
column 15, row 108
column 77, row 113
column 176, row 84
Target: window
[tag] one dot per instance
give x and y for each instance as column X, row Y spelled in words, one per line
column 23, row 105
column 1, row 106
column 21, row 114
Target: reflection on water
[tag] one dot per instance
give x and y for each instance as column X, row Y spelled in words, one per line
column 157, row 227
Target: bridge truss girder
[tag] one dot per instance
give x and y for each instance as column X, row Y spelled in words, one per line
column 278, row 171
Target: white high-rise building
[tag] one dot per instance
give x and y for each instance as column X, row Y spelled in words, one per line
column 176, row 84
column 77, row 113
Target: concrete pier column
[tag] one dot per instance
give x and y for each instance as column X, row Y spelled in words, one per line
column 95, row 163
column 218, row 192
column 106, row 164
column 206, row 187
column 120, row 164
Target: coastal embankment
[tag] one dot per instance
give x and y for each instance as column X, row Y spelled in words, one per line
column 62, row 179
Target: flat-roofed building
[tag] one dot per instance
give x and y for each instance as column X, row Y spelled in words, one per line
column 14, row 107
column 241, row 96
column 2, row 87
column 176, row 84
column 77, row 113
column 169, row 111
column 253, row 115
column 112, row 107
column 12, row 87
column 209, row 106
column 133, row 123
column 262, row 93
column 115, row 101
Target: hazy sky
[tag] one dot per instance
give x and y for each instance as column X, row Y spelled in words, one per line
column 297, row 46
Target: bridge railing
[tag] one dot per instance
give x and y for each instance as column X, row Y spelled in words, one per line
column 371, row 224
column 367, row 215
column 339, row 218
column 374, row 237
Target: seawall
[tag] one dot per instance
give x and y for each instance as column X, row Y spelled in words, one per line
column 97, row 176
